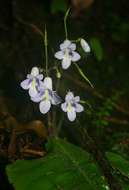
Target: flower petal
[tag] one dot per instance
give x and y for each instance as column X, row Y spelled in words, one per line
column 72, row 46
column 65, row 44
column 37, row 98
column 79, row 108
column 48, row 82
column 44, row 106
column 26, row 84
column 40, row 76
column 64, row 107
column 85, row 45
column 75, row 56
column 55, row 98
column 39, row 84
column 59, row 55
column 32, row 91
column 77, row 99
column 35, row 71
column 71, row 115
column 69, row 96
column 66, row 62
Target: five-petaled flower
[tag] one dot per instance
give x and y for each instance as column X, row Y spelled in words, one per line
column 67, row 54
column 71, row 106
column 46, row 96
column 33, row 82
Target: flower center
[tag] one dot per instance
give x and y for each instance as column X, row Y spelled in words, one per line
column 46, row 95
column 66, row 53
column 69, row 107
column 33, row 84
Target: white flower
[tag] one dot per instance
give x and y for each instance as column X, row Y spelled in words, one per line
column 71, row 106
column 46, row 96
column 67, row 54
column 33, row 82
column 85, row 46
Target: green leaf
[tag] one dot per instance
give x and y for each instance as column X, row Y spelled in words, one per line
column 119, row 162
column 58, row 5
column 66, row 167
column 97, row 48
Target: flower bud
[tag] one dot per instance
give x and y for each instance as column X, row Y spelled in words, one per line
column 85, row 46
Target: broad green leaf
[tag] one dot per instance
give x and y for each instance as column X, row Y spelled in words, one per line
column 66, row 167
column 97, row 48
column 58, row 5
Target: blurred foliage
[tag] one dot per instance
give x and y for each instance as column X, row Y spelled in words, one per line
column 105, row 111
column 58, row 5
column 97, row 48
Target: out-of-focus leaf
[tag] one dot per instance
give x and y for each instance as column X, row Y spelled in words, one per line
column 58, row 5
column 97, row 48
column 119, row 162
column 66, row 167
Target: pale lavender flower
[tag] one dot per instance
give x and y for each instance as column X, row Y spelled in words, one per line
column 85, row 46
column 67, row 54
column 71, row 106
column 33, row 82
column 46, row 96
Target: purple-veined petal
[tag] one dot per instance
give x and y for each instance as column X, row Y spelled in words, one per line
column 44, row 106
column 35, row 71
column 77, row 99
column 55, row 98
column 85, row 46
column 65, row 44
column 33, row 91
column 64, row 107
column 69, row 96
column 66, row 62
column 79, row 108
column 41, row 87
column 72, row 46
column 39, row 84
column 40, row 76
column 48, row 82
column 75, row 56
column 37, row 98
column 59, row 55
column 26, row 84
column 71, row 114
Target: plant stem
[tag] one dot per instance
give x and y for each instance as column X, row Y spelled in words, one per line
column 83, row 75
column 65, row 23
column 46, row 50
